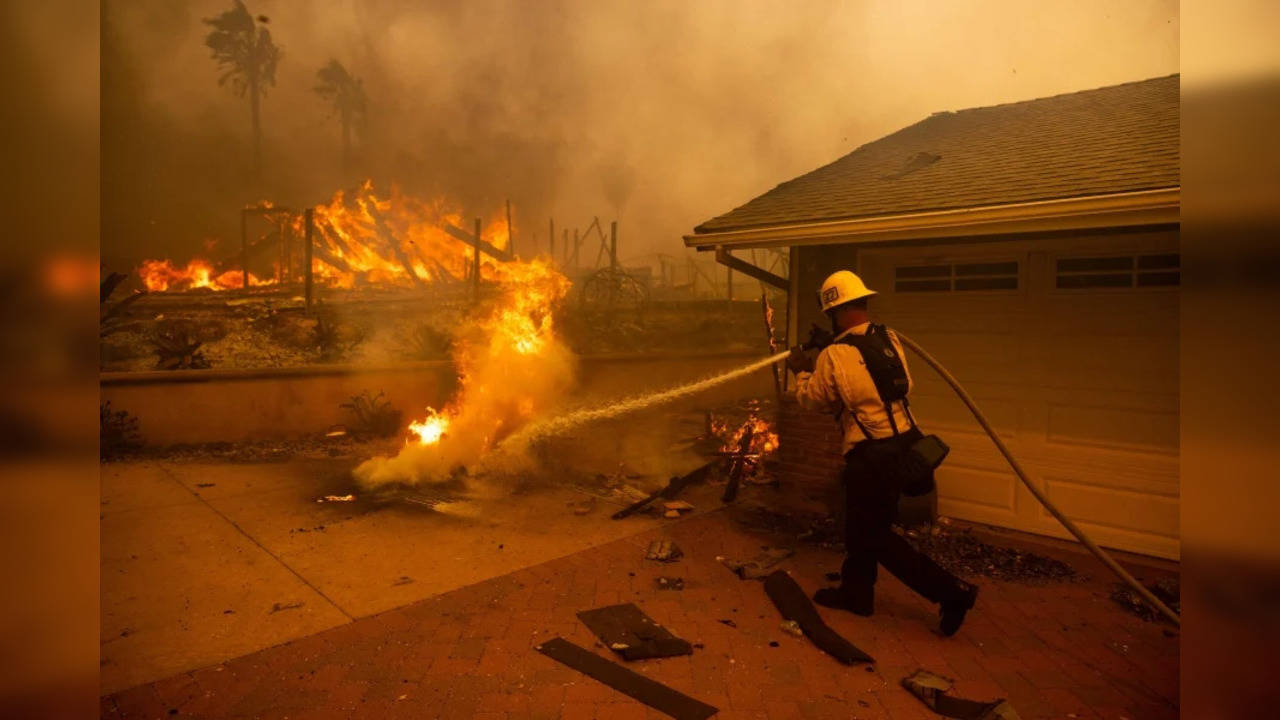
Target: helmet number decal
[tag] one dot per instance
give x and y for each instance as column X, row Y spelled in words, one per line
column 830, row 294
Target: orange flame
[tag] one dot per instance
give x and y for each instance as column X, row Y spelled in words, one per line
column 162, row 275
column 361, row 237
column 431, row 429
column 764, row 440
column 519, row 325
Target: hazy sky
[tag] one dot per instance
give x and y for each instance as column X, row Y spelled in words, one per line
column 663, row 114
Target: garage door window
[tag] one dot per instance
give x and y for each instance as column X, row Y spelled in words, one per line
column 956, row 277
column 1118, row 272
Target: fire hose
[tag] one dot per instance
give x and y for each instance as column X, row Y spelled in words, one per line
column 1071, row 527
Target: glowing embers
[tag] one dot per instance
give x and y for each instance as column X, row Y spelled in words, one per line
column 163, row 275
column 764, row 440
column 430, row 430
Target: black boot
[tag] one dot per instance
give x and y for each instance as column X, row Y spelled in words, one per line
column 953, row 610
column 839, row 598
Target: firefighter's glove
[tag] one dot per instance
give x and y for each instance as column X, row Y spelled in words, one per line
column 799, row 361
column 818, row 338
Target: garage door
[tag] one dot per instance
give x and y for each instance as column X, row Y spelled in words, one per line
column 1070, row 346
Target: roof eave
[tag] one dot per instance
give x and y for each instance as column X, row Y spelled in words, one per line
column 1144, row 207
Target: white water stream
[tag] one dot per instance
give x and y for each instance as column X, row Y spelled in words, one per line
column 564, row 423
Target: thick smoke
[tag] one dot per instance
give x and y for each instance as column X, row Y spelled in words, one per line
column 661, row 114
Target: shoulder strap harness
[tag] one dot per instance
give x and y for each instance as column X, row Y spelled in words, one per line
column 887, row 370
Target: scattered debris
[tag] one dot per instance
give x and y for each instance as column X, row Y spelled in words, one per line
column 792, row 627
column 669, row 583
column 205, row 485
column 678, row 506
column 650, row 692
column 932, row 691
column 634, row 635
column 730, row 623
column 671, row 514
column 673, row 487
column 402, row 580
column 663, row 551
column 959, row 551
column 760, row 565
column 1167, row 590
column 583, row 507
column 318, row 528
column 278, row 607
column 336, row 498
column 794, row 604
column 815, row 528
column 336, row 431
column 774, row 643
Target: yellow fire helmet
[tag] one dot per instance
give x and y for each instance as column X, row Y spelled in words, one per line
column 842, row 287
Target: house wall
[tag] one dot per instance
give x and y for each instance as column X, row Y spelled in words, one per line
column 1081, row 384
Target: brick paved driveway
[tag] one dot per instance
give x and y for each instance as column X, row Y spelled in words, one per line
column 1056, row 651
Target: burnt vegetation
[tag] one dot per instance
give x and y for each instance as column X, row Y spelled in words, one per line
column 372, row 416
column 177, row 347
column 119, row 433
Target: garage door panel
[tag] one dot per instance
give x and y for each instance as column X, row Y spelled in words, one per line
column 1111, row 537
column 1119, row 364
column 972, row 351
column 1147, row 473
column 1113, row 427
column 1114, row 508
column 938, row 409
column 1081, row 384
column 976, row 486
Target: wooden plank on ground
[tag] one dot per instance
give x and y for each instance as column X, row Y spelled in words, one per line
column 650, row 692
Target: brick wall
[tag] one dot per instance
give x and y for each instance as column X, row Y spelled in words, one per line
column 809, row 464
column 809, row 460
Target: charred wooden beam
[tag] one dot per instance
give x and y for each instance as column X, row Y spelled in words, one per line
column 323, row 255
column 474, row 240
column 384, row 231
column 738, row 466
column 330, row 233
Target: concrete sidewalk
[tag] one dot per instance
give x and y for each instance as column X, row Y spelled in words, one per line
column 204, row 562
column 1056, row 651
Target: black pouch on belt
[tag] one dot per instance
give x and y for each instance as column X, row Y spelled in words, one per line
column 918, row 463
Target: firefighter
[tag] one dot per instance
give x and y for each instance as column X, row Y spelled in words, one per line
column 869, row 400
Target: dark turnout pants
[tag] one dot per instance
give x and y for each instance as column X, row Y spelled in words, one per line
column 871, row 490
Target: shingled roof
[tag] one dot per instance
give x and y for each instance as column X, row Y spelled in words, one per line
column 1095, row 142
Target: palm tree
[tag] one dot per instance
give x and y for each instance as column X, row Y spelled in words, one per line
column 346, row 93
column 247, row 58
